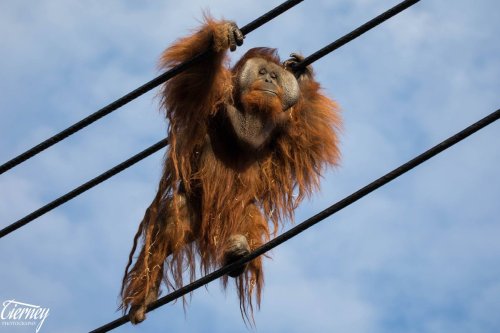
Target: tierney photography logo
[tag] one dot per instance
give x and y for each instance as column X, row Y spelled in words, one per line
column 15, row 313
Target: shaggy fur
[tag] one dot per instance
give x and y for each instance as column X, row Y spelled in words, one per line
column 210, row 189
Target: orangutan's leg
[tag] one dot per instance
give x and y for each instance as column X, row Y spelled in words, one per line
column 252, row 234
column 167, row 236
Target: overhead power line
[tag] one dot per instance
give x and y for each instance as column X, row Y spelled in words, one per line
column 307, row 61
column 137, row 92
column 357, row 32
column 314, row 219
column 84, row 187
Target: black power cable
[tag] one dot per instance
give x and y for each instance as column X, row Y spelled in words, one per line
column 314, row 219
column 307, row 61
column 84, row 187
column 357, row 32
column 137, row 92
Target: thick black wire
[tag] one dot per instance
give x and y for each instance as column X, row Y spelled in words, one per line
column 314, row 219
column 357, row 32
column 315, row 56
column 137, row 92
column 84, row 187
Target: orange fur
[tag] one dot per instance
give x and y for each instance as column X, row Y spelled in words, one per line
column 267, row 105
column 202, row 200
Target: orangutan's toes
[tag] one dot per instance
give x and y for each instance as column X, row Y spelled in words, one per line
column 137, row 314
column 237, row 248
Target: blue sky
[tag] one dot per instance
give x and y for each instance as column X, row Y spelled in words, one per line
column 420, row 255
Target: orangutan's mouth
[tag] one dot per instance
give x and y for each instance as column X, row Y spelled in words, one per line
column 269, row 91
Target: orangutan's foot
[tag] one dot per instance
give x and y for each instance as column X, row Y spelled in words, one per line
column 137, row 313
column 237, row 248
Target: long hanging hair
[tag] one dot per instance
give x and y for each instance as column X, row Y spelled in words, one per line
column 202, row 201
